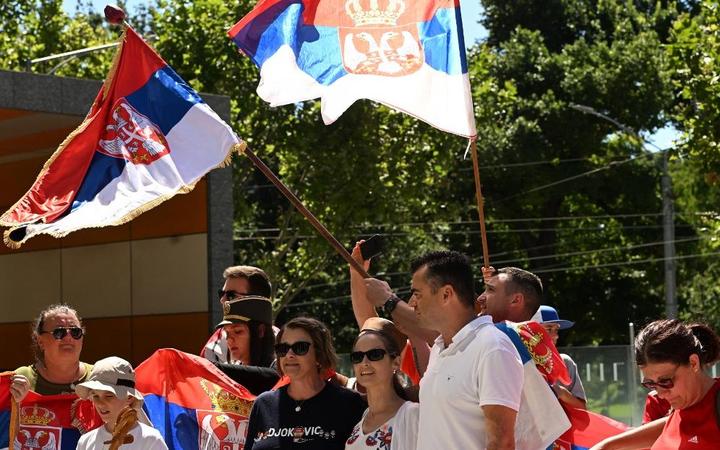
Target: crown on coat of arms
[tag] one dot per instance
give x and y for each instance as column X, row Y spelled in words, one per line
column 35, row 415
column 224, row 401
column 373, row 14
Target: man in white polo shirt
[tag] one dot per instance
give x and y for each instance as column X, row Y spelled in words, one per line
column 470, row 393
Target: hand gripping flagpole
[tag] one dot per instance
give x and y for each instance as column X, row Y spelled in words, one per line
column 480, row 201
column 243, row 149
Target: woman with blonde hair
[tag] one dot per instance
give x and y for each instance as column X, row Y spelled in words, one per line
column 57, row 336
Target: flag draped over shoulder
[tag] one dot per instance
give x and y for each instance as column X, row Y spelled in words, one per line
column 192, row 403
column 541, row 419
column 147, row 137
column 406, row 54
column 48, row 422
column 587, row 429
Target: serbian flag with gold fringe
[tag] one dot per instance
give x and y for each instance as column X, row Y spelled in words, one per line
column 192, row 403
column 147, row 137
column 406, row 54
column 47, row 422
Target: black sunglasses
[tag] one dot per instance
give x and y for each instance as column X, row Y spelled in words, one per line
column 299, row 348
column 60, row 332
column 230, row 295
column 662, row 384
column 374, row 354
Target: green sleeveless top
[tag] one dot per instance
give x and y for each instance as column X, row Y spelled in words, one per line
column 45, row 387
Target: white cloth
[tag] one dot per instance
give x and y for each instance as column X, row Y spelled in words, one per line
column 144, row 438
column 480, row 367
column 400, row 431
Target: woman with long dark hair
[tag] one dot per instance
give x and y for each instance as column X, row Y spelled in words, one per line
column 391, row 421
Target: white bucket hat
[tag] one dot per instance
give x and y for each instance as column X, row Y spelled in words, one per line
column 114, row 375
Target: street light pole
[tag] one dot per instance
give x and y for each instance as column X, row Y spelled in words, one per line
column 671, row 307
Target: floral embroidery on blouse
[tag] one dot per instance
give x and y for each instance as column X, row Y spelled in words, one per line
column 379, row 439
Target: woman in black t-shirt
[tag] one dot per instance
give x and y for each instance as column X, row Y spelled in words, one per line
column 309, row 412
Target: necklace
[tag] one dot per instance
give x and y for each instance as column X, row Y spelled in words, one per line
column 298, row 405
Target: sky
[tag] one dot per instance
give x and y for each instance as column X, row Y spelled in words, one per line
column 471, row 13
column 470, row 10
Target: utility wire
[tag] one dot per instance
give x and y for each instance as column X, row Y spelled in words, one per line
column 511, row 261
column 600, row 228
column 492, row 221
column 406, row 289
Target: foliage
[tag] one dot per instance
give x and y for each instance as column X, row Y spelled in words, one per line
column 570, row 195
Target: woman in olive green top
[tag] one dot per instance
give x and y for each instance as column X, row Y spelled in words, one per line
column 57, row 342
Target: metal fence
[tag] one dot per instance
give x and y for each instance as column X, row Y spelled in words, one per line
column 612, row 381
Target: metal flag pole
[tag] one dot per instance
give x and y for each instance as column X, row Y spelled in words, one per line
column 480, row 202
column 319, row 227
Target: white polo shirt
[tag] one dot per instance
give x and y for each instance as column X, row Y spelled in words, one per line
column 480, row 367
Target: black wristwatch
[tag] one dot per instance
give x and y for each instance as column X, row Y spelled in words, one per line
column 391, row 304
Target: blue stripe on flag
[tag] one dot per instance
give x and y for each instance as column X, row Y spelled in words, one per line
column 517, row 342
column 164, row 99
column 102, row 170
column 441, row 38
column 316, row 48
column 4, row 428
column 176, row 424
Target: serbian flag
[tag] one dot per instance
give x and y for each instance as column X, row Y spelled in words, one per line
column 147, row 137
column 47, row 422
column 541, row 419
column 406, row 54
column 587, row 429
column 192, row 403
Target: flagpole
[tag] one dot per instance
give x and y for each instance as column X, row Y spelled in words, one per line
column 245, row 150
column 480, row 202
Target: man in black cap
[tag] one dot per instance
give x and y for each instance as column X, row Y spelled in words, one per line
column 243, row 345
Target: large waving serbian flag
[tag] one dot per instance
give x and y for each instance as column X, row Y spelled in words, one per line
column 192, row 403
column 406, row 54
column 147, row 137
column 44, row 422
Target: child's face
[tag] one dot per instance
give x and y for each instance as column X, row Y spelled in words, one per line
column 108, row 406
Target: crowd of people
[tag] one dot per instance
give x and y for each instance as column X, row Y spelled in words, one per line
column 470, row 394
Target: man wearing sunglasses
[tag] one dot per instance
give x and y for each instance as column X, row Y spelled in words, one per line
column 242, row 346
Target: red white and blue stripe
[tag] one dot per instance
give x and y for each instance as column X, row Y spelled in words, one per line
column 406, row 54
column 147, row 137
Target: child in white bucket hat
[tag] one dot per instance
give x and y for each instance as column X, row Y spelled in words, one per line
column 111, row 387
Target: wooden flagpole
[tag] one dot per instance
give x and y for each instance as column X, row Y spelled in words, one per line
column 243, row 148
column 480, row 202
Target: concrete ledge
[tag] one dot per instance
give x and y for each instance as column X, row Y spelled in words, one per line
column 72, row 96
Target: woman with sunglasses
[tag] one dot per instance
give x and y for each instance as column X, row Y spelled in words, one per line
column 57, row 337
column 390, row 421
column 671, row 356
column 309, row 412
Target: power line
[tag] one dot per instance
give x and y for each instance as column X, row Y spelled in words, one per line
column 600, row 228
column 575, row 177
column 492, row 221
column 623, row 263
column 510, row 261
column 406, row 289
